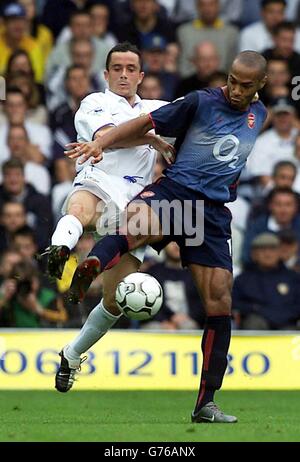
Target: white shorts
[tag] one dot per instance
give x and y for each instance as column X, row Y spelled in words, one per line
column 116, row 192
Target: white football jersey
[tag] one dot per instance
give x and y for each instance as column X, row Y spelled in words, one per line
column 98, row 110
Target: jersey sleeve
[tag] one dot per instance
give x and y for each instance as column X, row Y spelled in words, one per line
column 90, row 117
column 174, row 119
column 152, row 104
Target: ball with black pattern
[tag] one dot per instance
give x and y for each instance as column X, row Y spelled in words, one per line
column 139, row 296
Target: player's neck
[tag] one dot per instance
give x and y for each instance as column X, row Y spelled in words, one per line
column 131, row 100
column 226, row 95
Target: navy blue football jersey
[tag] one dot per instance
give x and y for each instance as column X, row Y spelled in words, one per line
column 213, row 140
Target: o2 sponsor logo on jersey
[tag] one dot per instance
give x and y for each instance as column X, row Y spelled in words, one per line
column 251, row 120
column 225, row 150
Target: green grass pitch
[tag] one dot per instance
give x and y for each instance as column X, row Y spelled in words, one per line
column 113, row 416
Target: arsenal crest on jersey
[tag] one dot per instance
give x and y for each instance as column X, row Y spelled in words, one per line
column 251, row 120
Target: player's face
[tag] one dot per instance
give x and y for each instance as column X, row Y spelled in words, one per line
column 124, row 74
column 243, row 83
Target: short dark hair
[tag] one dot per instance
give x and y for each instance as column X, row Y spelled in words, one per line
column 73, row 67
column 152, row 75
column 75, row 13
column 15, row 55
column 287, row 236
column 24, row 270
column 265, row 3
column 18, row 126
column 284, row 26
column 25, row 231
column 9, row 202
column 253, row 59
column 12, row 163
column 277, row 191
column 277, row 59
column 7, row 251
column 98, row 3
column 12, row 90
column 282, row 164
column 123, row 48
column 75, row 40
column 11, row 126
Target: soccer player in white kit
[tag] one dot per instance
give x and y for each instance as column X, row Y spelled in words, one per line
column 118, row 178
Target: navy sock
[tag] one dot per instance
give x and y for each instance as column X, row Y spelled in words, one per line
column 214, row 345
column 109, row 250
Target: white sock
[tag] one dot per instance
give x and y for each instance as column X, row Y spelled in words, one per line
column 67, row 232
column 97, row 324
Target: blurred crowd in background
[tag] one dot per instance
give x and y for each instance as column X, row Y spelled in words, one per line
column 52, row 54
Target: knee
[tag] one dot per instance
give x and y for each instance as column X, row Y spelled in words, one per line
column 78, row 210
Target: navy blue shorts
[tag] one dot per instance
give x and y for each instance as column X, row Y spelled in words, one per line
column 214, row 250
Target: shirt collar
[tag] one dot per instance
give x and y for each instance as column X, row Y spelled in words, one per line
column 198, row 24
column 273, row 225
column 291, row 138
column 121, row 98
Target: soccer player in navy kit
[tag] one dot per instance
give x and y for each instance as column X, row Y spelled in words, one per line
column 215, row 130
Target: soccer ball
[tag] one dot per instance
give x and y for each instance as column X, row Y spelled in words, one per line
column 139, row 296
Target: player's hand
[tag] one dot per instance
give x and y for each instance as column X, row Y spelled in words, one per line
column 167, row 150
column 85, row 151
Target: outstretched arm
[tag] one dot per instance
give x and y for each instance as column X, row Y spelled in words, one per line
column 146, row 139
column 158, row 143
column 125, row 133
column 171, row 120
